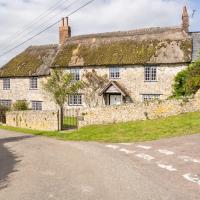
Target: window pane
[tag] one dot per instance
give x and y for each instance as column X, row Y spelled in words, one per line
column 33, row 83
column 6, row 84
column 36, row 105
column 76, row 74
column 150, row 97
column 6, row 103
column 115, row 72
column 150, row 73
column 75, row 100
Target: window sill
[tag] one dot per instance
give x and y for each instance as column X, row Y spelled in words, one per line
column 33, row 88
column 150, row 81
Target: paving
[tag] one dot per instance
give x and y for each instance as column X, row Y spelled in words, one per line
column 43, row 168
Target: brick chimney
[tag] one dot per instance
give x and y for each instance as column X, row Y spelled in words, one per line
column 185, row 20
column 64, row 30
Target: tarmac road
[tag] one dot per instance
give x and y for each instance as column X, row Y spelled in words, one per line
column 39, row 168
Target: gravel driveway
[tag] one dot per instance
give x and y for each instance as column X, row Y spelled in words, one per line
column 39, row 168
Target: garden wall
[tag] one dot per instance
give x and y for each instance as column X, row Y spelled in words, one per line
column 36, row 120
column 138, row 111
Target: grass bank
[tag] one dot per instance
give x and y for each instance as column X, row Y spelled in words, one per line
column 184, row 124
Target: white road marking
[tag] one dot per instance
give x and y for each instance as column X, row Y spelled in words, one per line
column 144, row 147
column 127, row 151
column 166, row 152
column 167, row 167
column 145, row 156
column 112, row 146
column 126, row 144
column 193, row 178
column 189, row 159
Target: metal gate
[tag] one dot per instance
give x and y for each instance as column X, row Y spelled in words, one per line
column 70, row 118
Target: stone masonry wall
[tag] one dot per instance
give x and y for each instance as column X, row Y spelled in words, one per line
column 36, row 120
column 138, row 111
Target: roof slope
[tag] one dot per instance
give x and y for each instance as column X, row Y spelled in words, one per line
column 34, row 61
column 144, row 46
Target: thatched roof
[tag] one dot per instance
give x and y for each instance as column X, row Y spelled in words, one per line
column 34, row 61
column 138, row 47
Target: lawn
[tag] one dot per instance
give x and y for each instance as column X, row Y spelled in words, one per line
column 184, row 124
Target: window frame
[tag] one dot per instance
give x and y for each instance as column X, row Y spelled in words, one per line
column 35, row 106
column 6, row 83
column 33, row 83
column 150, row 74
column 78, row 101
column 150, row 97
column 114, row 72
column 75, row 72
column 6, row 103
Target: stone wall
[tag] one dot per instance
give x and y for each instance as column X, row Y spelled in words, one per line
column 138, row 111
column 36, row 120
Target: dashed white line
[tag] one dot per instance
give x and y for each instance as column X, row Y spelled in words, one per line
column 126, row 144
column 167, row 167
column 127, row 151
column 189, row 159
column 112, row 146
column 166, row 152
column 192, row 178
column 144, row 147
column 145, row 156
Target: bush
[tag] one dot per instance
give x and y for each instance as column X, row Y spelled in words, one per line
column 187, row 82
column 20, row 105
column 3, row 110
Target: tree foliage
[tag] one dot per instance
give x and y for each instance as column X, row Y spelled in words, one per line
column 187, row 82
column 92, row 84
column 60, row 85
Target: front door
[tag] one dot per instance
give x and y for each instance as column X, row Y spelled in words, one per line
column 115, row 99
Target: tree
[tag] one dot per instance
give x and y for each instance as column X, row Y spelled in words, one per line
column 93, row 83
column 60, row 85
column 187, row 82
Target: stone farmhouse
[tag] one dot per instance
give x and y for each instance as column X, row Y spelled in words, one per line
column 140, row 65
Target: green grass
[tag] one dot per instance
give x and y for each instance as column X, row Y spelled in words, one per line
column 180, row 125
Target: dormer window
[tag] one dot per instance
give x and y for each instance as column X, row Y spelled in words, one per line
column 75, row 73
column 33, row 83
column 6, row 84
column 114, row 73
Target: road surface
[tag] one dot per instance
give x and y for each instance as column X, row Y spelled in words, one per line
column 40, row 168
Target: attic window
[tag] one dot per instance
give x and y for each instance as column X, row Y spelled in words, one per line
column 6, row 84
column 33, row 83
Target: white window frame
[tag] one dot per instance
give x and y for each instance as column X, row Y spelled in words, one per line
column 6, row 84
column 33, row 83
column 6, row 103
column 75, row 100
column 36, row 105
column 150, row 73
column 150, row 97
column 75, row 73
column 114, row 72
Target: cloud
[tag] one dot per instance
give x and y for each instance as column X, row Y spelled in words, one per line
column 101, row 16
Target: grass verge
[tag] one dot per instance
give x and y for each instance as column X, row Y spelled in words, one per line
column 184, row 124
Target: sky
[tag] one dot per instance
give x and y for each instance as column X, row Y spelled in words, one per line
column 22, row 19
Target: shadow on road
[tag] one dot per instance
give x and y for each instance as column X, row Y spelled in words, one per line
column 8, row 159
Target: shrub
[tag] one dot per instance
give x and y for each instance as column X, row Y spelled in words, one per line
column 187, row 82
column 3, row 110
column 20, row 105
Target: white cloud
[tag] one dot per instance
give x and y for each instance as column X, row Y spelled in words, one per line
column 101, row 16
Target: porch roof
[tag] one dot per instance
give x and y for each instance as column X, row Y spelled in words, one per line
column 116, row 85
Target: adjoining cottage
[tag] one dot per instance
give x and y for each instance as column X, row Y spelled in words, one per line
column 140, row 64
